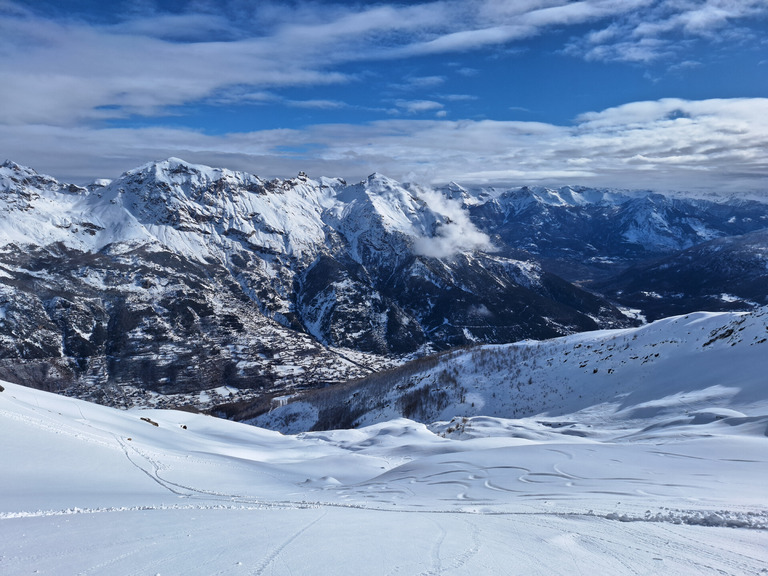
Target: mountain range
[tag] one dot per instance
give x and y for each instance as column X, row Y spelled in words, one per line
column 180, row 284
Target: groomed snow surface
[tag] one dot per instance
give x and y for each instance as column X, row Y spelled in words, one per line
column 93, row 490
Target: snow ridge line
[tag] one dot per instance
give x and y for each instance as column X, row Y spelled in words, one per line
column 706, row 518
column 160, row 507
column 716, row 518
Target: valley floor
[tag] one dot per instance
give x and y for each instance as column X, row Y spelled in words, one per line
column 92, row 490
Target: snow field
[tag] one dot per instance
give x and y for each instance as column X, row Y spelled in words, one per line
column 93, row 490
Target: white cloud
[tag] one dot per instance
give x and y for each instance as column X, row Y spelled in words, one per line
column 62, row 79
column 177, row 27
column 66, row 72
column 419, row 82
column 716, row 145
column 495, row 23
column 417, row 106
column 655, row 30
column 458, row 97
column 316, row 104
column 456, row 234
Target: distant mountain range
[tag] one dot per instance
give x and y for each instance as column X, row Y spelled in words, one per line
column 183, row 284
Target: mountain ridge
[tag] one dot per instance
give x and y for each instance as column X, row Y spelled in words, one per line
column 133, row 282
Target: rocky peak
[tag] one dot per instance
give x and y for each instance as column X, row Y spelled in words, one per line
column 24, row 181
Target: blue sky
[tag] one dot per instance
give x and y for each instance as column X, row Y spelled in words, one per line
column 663, row 94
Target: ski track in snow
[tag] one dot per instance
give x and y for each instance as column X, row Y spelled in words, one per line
column 275, row 554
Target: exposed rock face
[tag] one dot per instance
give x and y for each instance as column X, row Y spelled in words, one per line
column 106, row 324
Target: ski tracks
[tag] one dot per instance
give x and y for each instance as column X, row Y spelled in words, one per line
column 275, row 554
column 454, row 562
column 137, row 457
column 152, row 473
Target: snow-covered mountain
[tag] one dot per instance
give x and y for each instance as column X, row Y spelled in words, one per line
column 177, row 278
column 213, row 288
column 673, row 370
column 721, row 274
column 584, row 234
column 622, row 452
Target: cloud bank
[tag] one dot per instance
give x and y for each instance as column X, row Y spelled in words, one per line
column 707, row 145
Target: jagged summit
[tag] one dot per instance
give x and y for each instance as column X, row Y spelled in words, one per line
column 378, row 179
column 177, row 174
column 12, row 165
column 15, row 177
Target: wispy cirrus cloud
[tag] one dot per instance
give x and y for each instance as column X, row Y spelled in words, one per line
column 65, row 71
column 655, row 32
column 417, row 106
column 418, row 82
column 495, row 23
column 458, row 97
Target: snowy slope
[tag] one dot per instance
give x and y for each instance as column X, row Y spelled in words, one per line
column 642, row 481
column 677, row 370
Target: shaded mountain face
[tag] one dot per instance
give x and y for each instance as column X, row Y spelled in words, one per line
column 585, row 234
column 179, row 278
column 724, row 274
column 111, row 325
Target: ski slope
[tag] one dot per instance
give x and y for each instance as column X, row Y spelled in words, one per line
column 92, row 490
